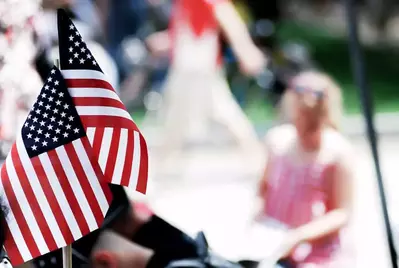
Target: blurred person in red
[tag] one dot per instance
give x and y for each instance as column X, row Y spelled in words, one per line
column 307, row 184
column 196, row 88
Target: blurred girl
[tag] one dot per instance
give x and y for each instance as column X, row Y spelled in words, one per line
column 307, row 184
column 196, row 89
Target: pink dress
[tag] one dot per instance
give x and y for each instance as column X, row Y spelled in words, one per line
column 296, row 194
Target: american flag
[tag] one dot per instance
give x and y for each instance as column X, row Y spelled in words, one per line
column 116, row 140
column 51, row 181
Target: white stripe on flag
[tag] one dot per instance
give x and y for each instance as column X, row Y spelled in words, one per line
column 76, row 187
column 83, row 74
column 25, row 207
column 61, row 198
column 39, row 194
column 120, row 158
column 90, row 132
column 14, row 229
column 102, row 110
column 105, row 146
column 91, row 176
column 136, row 160
column 82, row 92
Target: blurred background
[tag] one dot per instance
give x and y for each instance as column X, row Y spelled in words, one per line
column 209, row 187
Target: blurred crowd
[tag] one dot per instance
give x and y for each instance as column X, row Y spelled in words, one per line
column 120, row 34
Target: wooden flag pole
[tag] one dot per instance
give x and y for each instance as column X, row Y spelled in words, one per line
column 67, row 256
column 67, row 250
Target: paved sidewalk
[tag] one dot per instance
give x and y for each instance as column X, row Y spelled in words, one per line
column 385, row 124
column 334, row 20
column 354, row 125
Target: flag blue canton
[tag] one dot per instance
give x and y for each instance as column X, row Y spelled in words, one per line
column 72, row 45
column 53, row 120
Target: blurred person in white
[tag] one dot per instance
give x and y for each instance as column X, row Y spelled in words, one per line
column 19, row 80
column 306, row 188
column 196, row 89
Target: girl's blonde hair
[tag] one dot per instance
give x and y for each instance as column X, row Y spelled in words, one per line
column 330, row 106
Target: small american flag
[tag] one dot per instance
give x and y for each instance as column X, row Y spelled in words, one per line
column 51, row 181
column 117, row 142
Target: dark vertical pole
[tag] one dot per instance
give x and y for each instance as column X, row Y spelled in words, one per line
column 365, row 97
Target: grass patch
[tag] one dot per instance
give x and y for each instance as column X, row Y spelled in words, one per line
column 137, row 115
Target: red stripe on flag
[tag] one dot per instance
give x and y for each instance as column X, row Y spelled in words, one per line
column 107, row 121
column 32, row 199
column 97, row 142
column 53, row 201
column 69, row 194
column 97, row 101
column 11, row 247
column 143, row 172
column 84, row 182
column 113, row 152
column 127, row 170
column 90, row 83
column 18, row 214
column 97, row 169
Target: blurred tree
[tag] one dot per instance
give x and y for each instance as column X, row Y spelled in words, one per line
column 244, row 11
column 380, row 12
column 265, row 16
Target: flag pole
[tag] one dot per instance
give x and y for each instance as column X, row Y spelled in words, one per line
column 359, row 71
column 67, row 250
column 67, row 256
